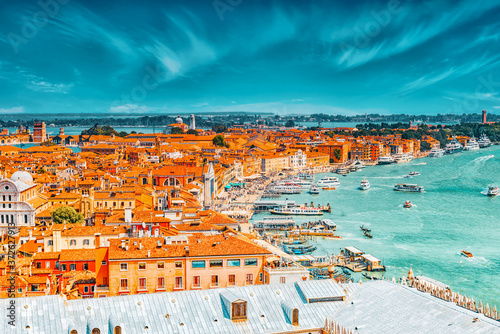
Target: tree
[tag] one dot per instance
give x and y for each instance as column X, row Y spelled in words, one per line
column 192, row 132
column 48, row 143
column 425, row 146
column 219, row 141
column 336, row 153
column 219, row 128
column 176, row 131
column 290, row 123
column 66, row 214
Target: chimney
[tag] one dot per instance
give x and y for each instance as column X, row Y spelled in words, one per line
column 128, row 215
column 123, row 244
column 97, row 240
column 140, row 245
column 149, row 253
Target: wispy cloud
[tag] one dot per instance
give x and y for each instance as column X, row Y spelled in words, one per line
column 14, row 110
column 130, row 109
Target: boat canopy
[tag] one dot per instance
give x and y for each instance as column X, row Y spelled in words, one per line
column 328, row 222
column 354, row 250
column 370, row 258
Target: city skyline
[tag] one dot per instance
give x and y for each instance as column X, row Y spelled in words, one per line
column 281, row 57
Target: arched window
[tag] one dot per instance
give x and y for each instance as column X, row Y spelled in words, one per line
column 96, row 331
column 73, row 332
column 118, row 330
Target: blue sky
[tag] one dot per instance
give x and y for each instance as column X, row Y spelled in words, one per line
column 300, row 57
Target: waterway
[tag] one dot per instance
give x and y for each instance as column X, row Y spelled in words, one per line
column 451, row 215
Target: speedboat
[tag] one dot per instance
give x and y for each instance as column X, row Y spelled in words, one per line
column 328, row 181
column 314, row 190
column 471, row 145
column 484, row 141
column 386, row 160
column 436, row 152
column 413, row 173
column 492, row 191
column 408, row 176
column 364, row 229
column 408, row 187
column 453, row 146
column 466, row 253
column 407, row 204
column 405, row 157
column 328, row 188
column 365, row 185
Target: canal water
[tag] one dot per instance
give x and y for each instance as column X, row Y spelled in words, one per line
column 451, row 215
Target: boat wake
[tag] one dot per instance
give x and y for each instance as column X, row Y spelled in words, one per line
column 483, row 158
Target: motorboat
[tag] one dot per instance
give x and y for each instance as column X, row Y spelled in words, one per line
column 492, row 191
column 328, row 181
column 386, row 160
column 413, row 173
column 314, row 190
column 359, row 164
column 453, row 146
column 466, row 253
column 365, row 185
column 364, row 229
column 436, row 152
column 472, row 145
column 408, row 187
column 484, row 141
column 407, row 204
column 368, row 235
column 408, row 176
column 328, row 188
column 342, row 171
column 404, row 157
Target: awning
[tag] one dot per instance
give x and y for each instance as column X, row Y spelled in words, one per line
column 272, row 259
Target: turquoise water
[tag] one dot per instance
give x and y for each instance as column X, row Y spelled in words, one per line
column 451, row 215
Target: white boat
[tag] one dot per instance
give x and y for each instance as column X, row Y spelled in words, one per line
column 492, row 191
column 472, row 145
column 296, row 180
column 408, row 187
column 413, row 173
column 359, row 164
column 404, row 157
column 386, row 160
column 342, row 171
column 297, row 210
column 365, row 185
column 287, row 188
column 453, row 146
column 484, row 141
column 436, row 152
column 314, row 190
column 328, row 181
column 306, row 176
column 274, row 223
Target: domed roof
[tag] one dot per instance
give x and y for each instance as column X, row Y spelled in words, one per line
column 22, row 176
column 178, row 119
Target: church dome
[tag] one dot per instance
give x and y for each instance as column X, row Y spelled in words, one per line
column 22, row 176
column 178, row 120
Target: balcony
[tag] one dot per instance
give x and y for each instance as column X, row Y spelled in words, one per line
column 102, row 288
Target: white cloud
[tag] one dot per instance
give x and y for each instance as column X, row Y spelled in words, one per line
column 14, row 110
column 47, row 87
column 496, row 107
column 201, row 104
column 129, row 108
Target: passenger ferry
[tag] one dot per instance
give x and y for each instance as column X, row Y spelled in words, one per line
column 471, row 145
column 296, row 180
column 404, row 157
column 484, row 141
column 365, row 185
column 314, row 190
column 287, row 188
column 306, row 176
column 328, row 181
column 297, row 210
column 408, row 187
column 386, row 160
column 436, row 152
column 274, row 223
column 453, row 146
column 319, row 231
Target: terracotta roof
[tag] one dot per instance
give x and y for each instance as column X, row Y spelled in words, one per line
column 77, row 255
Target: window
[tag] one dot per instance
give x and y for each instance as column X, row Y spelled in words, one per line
column 142, row 283
column 63, row 267
column 20, row 290
column 250, row 262
column 103, row 263
column 92, row 288
column 196, row 281
column 232, row 279
column 239, row 310
column 86, row 289
column 124, row 284
column 216, row 263
column 57, row 264
column 215, row 280
column 233, row 263
column 142, row 265
column 265, row 279
column 72, row 242
column 26, row 219
column 282, row 279
column 249, row 279
column 198, row 264
column 96, row 331
column 178, row 264
column 118, row 330
column 161, row 282
column 161, row 265
column 38, row 265
column 50, row 243
column 72, row 267
column 178, row 282
column 74, row 332
column 260, row 277
column 85, row 266
column 47, row 265
column 86, row 242
column 123, row 266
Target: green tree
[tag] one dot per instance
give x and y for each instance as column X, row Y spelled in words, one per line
column 290, row 123
column 48, row 143
column 192, row 132
column 66, row 214
column 336, row 153
column 219, row 128
column 425, row 146
column 219, row 141
column 176, row 131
